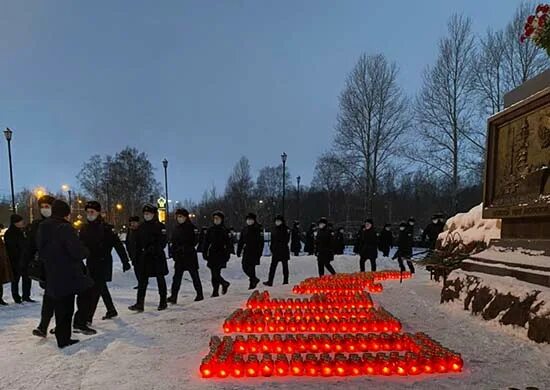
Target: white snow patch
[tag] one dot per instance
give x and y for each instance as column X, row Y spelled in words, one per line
column 471, row 227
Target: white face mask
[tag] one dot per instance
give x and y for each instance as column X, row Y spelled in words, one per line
column 434, row 221
column 148, row 217
column 250, row 222
column 402, row 228
column 46, row 212
column 91, row 217
column 181, row 219
column 322, row 226
column 411, row 223
column 388, row 228
column 278, row 223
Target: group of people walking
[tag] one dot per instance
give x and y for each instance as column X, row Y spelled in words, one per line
column 71, row 264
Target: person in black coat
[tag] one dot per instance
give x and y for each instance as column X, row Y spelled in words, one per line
column 358, row 237
column 151, row 241
column 251, row 247
column 404, row 247
column 16, row 242
column 369, row 246
column 339, row 242
column 202, row 236
column 182, row 250
column 386, row 240
column 100, row 239
column 280, row 252
column 309, row 247
column 217, row 252
column 432, row 231
column 62, row 253
column 325, row 247
column 131, row 243
column 296, row 239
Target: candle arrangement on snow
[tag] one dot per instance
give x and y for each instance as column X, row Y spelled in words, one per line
column 335, row 332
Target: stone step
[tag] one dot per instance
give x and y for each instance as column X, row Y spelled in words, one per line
column 529, row 275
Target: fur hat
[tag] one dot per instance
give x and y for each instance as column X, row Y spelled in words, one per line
column 60, row 209
column 369, row 220
column 411, row 219
column 183, row 212
column 279, row 218
column 149, row 208
column 403, row 224
column 323, row 220
column 14, row 218
column 134, row 219
column 251, row 216
column 46, row 199
column 94, row 205
column 218, row 213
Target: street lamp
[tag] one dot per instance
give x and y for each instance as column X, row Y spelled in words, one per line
column 283, row 158
column 67, row 189
column 38, row 193
column 165, row 165
column 8, row 133
column 298, row 179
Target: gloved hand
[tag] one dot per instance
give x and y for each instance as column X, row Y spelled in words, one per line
column 126, row 267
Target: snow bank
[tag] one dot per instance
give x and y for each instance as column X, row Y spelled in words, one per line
column 470, row 228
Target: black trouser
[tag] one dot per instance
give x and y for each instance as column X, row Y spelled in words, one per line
column 136, row 271
column 47, row 312
column 26, row 286
column 296, row 253
column 362, row 262
column 402, row 266
column 179, row 269
column 84, row 302
column 64, row 309
column 100, row 289
column 385, row 251
column 322, row 264
column 143, row 282
column 249, row 269
column 273, row 269
column 217, row 279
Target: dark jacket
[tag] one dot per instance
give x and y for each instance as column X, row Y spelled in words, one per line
column 324, row 244
column 296, row 239
column 280, row 236
column 182, row 246
column 369, row 244
column 431, row 233
column 217, row 246
column 100, row 239
column 202, row 236
column 16, row 243
column 310, row 241
column 358, row 238
column 339, row 243
column 386, row 239
column 131, row 245
column 62, row 253
column 6, row 275
column 251, row 244
column 30, row 250
column 404, row 244
column 151, row 241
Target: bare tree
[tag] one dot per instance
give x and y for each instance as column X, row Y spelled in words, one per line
column 522, row 60
column 444, row 106
column 373, row 116
column 329, row 177
column 240, row 187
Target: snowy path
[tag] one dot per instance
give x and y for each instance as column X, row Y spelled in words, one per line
column 163, row 350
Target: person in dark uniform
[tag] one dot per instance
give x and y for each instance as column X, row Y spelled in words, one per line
column 339, row 242
column 324, row 247
column 358, row 237
column 217, row 252
column 233, row 237
column 182, row 249
column 151, row 241
column 369, row 246
column 296, row 239
column 432, row 231
column 386, row 240
column 62, row 253
column 30, row 255
column 202, row 236
column 251, row 247
column 309, row 247
column 280, row 252
column 100, row 239
column 16, row 242
column 404, row 247
column 131, row 243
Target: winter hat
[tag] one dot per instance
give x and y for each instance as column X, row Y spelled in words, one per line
column 149, row 208
column 369, row 220
column 93, row 205
column 323, row 220
column 218, row 213
column 14, row 218
column 46, row 199
column 387, row 225
column 134, row 219
column 251, row 216
column 411, row 219
column 60, row 209
column 183, row 212
column 403, row 224
column 296, row 223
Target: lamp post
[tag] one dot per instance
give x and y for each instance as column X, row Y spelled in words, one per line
column 283, row 158
column 165, row 165
column 298, row 179
column 8, row 133
column 118, row 209
column 67, row 189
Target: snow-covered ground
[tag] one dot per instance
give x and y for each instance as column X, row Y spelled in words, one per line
column 162, row 350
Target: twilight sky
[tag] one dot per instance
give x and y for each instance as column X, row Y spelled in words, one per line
column 198, row 82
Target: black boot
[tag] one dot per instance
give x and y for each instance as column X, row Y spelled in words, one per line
column 84, row 329
column 253, row 284
column 68, row 344
column 163, row 305
column 268, row 284
column 215, row 293
column 17, row 300
column 28, row 299
column 3, row 303
column 173, row 299
column 39, row 332
column 138, row 307
column 225, row 287
column 199, row 298
column 109, row 315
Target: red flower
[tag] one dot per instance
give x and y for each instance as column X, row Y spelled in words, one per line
column 545, row 8
column 530, row 19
